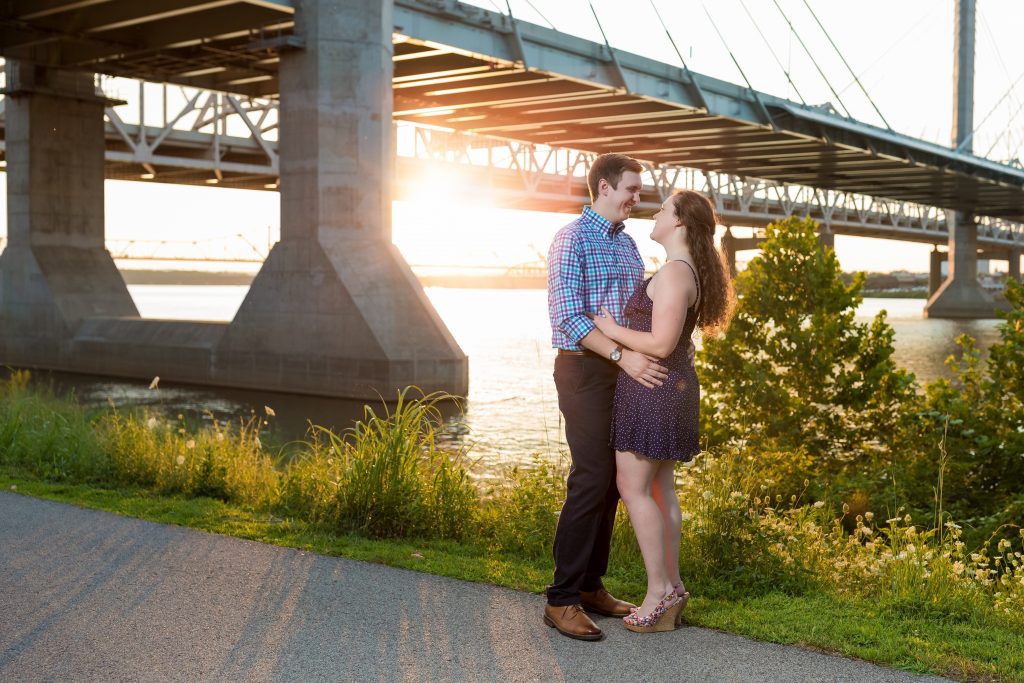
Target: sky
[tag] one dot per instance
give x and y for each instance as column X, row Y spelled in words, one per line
column 901, row 50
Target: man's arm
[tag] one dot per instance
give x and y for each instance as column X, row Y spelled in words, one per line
column 565, row 288
column 643, row 369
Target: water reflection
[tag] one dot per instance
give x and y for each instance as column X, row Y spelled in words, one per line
column 511, row 413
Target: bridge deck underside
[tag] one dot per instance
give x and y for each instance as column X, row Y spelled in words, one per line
column 457, row 67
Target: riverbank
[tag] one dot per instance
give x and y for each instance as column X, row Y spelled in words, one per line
column 787, row 573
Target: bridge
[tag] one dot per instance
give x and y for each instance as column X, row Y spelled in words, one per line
column 467, row 88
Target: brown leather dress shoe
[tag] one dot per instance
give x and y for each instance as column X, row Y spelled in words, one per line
column 604, row 603
column 572, row 621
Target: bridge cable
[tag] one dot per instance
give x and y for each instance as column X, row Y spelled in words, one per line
column 686, row 69
column 1005, row 130
column 541, row 15
column 1002, row 63
column 772, row 50
column 847, row 65
column 813, row 60
column 991, row 111
column 520, row 48
column 899, row 41
column 994, row 43
column 757, row 97
column 615, row 60
column 1000, row 137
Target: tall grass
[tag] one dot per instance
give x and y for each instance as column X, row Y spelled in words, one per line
column 387, row 476
column 50, row 437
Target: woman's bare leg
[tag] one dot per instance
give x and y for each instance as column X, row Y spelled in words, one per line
column 635, row 477
column 664, row 490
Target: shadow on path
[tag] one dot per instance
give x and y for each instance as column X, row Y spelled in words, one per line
column 91, row 596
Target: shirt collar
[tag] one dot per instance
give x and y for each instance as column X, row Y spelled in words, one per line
column 595, row 221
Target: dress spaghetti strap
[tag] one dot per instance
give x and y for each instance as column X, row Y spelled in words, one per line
column 696, row 304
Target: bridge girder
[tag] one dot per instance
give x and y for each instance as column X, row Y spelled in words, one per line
column 213, row 138
column 470, row 69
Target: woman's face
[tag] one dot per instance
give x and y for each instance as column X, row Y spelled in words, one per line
column 665, row 222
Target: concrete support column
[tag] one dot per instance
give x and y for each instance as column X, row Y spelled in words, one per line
column 729, row 250
column 1014, row 266
column 960, row 295
column 55, row 271
column 335, row 309
column 935, row 271
column 826, row 237
column 731, row 245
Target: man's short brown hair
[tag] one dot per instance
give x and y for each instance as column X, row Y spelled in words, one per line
column 610, row 167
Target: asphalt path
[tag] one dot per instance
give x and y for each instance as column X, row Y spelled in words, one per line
column 92, row 596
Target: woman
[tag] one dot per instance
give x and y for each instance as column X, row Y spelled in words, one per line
column 654, row 428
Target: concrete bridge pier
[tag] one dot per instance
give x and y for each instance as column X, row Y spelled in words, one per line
column 937, row 258
column 732, row 244
column 55, row 271
column 960, row 295
column 335, row 308
column 826, row 237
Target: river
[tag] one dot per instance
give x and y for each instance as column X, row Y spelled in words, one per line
column 511, row 414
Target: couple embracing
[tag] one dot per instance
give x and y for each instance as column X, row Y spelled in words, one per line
column 627, row 390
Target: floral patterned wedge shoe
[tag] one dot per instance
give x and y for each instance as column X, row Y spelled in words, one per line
column 684, row 597
column 662, row 618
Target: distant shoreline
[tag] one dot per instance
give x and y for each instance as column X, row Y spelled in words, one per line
column 209, row 278
column 201, row 278
column 185, row 277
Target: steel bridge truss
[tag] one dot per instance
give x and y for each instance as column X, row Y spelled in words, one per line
column 201, row 137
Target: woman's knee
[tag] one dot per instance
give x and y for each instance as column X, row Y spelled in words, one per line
column 632, row 488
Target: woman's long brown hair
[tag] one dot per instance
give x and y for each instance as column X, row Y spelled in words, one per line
column 716, row 295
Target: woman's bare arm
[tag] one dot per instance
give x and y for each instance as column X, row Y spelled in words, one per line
column 673, row 291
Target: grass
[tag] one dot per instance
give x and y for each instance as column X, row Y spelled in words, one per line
column 385, row 492
column 970, row 650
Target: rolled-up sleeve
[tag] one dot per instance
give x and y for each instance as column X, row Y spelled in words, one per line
column 566, row 306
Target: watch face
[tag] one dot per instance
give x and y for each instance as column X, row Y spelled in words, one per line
column 615, row 355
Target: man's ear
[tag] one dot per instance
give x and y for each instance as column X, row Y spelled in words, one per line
column 602, row 186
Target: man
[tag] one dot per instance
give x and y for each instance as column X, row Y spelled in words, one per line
column 591, row 263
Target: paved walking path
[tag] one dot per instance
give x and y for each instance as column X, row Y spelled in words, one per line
column 92, row 596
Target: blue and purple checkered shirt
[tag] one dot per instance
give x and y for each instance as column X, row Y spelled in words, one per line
column 591, row 264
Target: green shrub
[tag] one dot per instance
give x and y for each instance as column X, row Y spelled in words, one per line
column 795, row 372
column 978, row 414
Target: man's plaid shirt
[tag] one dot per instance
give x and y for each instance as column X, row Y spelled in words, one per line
column 591, row 264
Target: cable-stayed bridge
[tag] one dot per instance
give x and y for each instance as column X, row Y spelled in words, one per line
column 221, row 139
column 522, row 107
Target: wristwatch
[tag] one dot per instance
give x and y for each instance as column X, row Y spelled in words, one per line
column 616, row 355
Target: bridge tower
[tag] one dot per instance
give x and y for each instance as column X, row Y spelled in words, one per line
column 960, row 295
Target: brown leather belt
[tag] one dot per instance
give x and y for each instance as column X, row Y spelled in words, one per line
column 567, row 352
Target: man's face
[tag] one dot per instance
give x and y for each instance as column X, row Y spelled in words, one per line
column 617, row 202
